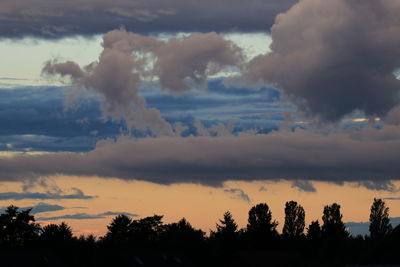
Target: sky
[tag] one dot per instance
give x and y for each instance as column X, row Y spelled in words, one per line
column 192, row 108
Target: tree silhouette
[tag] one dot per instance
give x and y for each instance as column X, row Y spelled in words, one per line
column 17, row 228
column 182, row 235
column 379, row 219
column 227, row 233
column 147, row 231
column 261, row 228
column 227, row 226
column 56, row 234
column 294, row 220
column 333, row 226
column 119, row 230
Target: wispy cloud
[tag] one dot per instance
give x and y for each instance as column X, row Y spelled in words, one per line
column 86, row 216
column 262, row 189
column 305, row 186
column 238, row 194
column 379, row 185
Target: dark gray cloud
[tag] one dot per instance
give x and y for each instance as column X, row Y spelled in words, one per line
column 55, row 19
column 299, row 155
column 305, row 186
column 85, row 216
column 238, row 194
column 335, row 57
column 78, row 194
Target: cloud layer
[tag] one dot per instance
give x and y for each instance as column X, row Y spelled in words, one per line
column 300, row 155
column 55, row 19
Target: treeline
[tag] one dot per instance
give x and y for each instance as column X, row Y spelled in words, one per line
column 150, row 242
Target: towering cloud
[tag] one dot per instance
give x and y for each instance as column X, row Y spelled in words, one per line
column 334, row 57
column 128, row 59
column 55, row 19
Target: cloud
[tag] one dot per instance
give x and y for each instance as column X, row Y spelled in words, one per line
column 44, row 207
column 305, row 186
column 334, row 57
column 49, row 19
column 128, row 59
column 391, row 198
column 26, row 195
column 238, row 194
column 360, row 155
column 85, row 216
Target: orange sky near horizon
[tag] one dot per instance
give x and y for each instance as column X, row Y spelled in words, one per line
column 201, row 205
